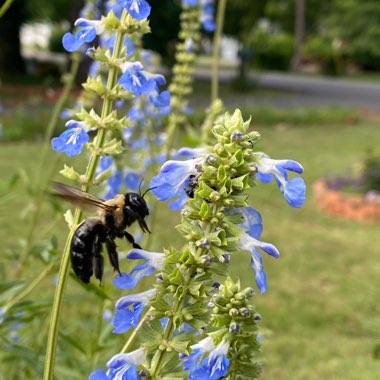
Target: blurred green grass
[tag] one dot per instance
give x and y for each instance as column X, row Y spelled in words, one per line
column 321, row 312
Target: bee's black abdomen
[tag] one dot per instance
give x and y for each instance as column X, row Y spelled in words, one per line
column 85, row 249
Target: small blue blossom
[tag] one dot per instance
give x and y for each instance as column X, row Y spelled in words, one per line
column 249, row 242
column 154, row 261
column 138, row 81
column 207, row 16
column 197, row 351
column 138, row 9
column 72, row 140
column 132, row 180
column 172, row 180
column 105, row 163
column 129, row 309
column 107, row 315
column 114, row 184
column 188, row 153
column 213, row 367
column 294, row 190
column 121, row 366
column 190, row 3
column 136, row 114
column 88, row 30
column 161, row 100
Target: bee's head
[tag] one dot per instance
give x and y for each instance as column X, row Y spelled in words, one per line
column 136, row 205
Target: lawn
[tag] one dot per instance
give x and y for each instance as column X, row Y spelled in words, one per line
column 321, row 312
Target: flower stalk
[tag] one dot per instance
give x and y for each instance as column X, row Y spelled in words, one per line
column 216, row 49
column 183, row 70
column 89, row 176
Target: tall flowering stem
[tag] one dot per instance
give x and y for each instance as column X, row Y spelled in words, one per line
column 223, row 174
column 88, row 178
column 216, row 49
column 183, row 70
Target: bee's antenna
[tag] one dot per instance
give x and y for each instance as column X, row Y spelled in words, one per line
column 151, row 188
column 142, row 179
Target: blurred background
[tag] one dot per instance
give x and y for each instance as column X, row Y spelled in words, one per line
column 308, row 71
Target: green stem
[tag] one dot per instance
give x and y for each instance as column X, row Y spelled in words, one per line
column 89, row 175
column 169, row 329
column 216, row 49
column 5, row 7
column 29, row 288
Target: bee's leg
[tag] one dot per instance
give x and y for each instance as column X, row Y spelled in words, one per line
column 131, row 239
column 112, row 254
column 98, row 259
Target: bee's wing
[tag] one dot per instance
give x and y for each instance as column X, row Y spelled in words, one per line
column 78, row 197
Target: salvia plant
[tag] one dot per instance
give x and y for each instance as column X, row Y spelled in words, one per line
column 193, row 320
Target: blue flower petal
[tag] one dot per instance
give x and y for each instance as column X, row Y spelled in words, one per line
column 268, row 248
column 70, row 141
column 136, row 114
column 163, row 191
column 179, row 202
column 161, row 100
column 295, row 192
column 257, row 266
column 73, row 42
column 138, row 9
column 193, row 359
column 130, row 280
column 99, row 374
column 291, row 165
column 132, row 180
column 265, row 178
column 253, row 222
column 122, row 321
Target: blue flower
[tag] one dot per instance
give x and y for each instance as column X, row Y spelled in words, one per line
column 138, row 81
column 172, row 180
column 249, row 242
column 207, row 16
column 197, row 351
column 154, row 261
column 88, row 30
column 188, row 153
column 294, row 190
column 190, row 3
column 132, row 180
column 113, row 185
column 161, row 100
column 136, row 113
column 99, row 374
column 129, row 309
column 213, row 367
column 72, row 140
column 138, row 9
column 121, row 366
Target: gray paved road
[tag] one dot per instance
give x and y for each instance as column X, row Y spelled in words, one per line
column 287, row 90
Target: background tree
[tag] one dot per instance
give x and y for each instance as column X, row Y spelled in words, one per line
column 21, row 11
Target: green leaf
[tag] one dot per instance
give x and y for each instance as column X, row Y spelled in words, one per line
column 104, row 175
column 70, row 173
column 181, row 342
column 151, row 334
column 113, row 147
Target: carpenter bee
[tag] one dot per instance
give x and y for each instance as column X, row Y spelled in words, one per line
column 114, row 216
